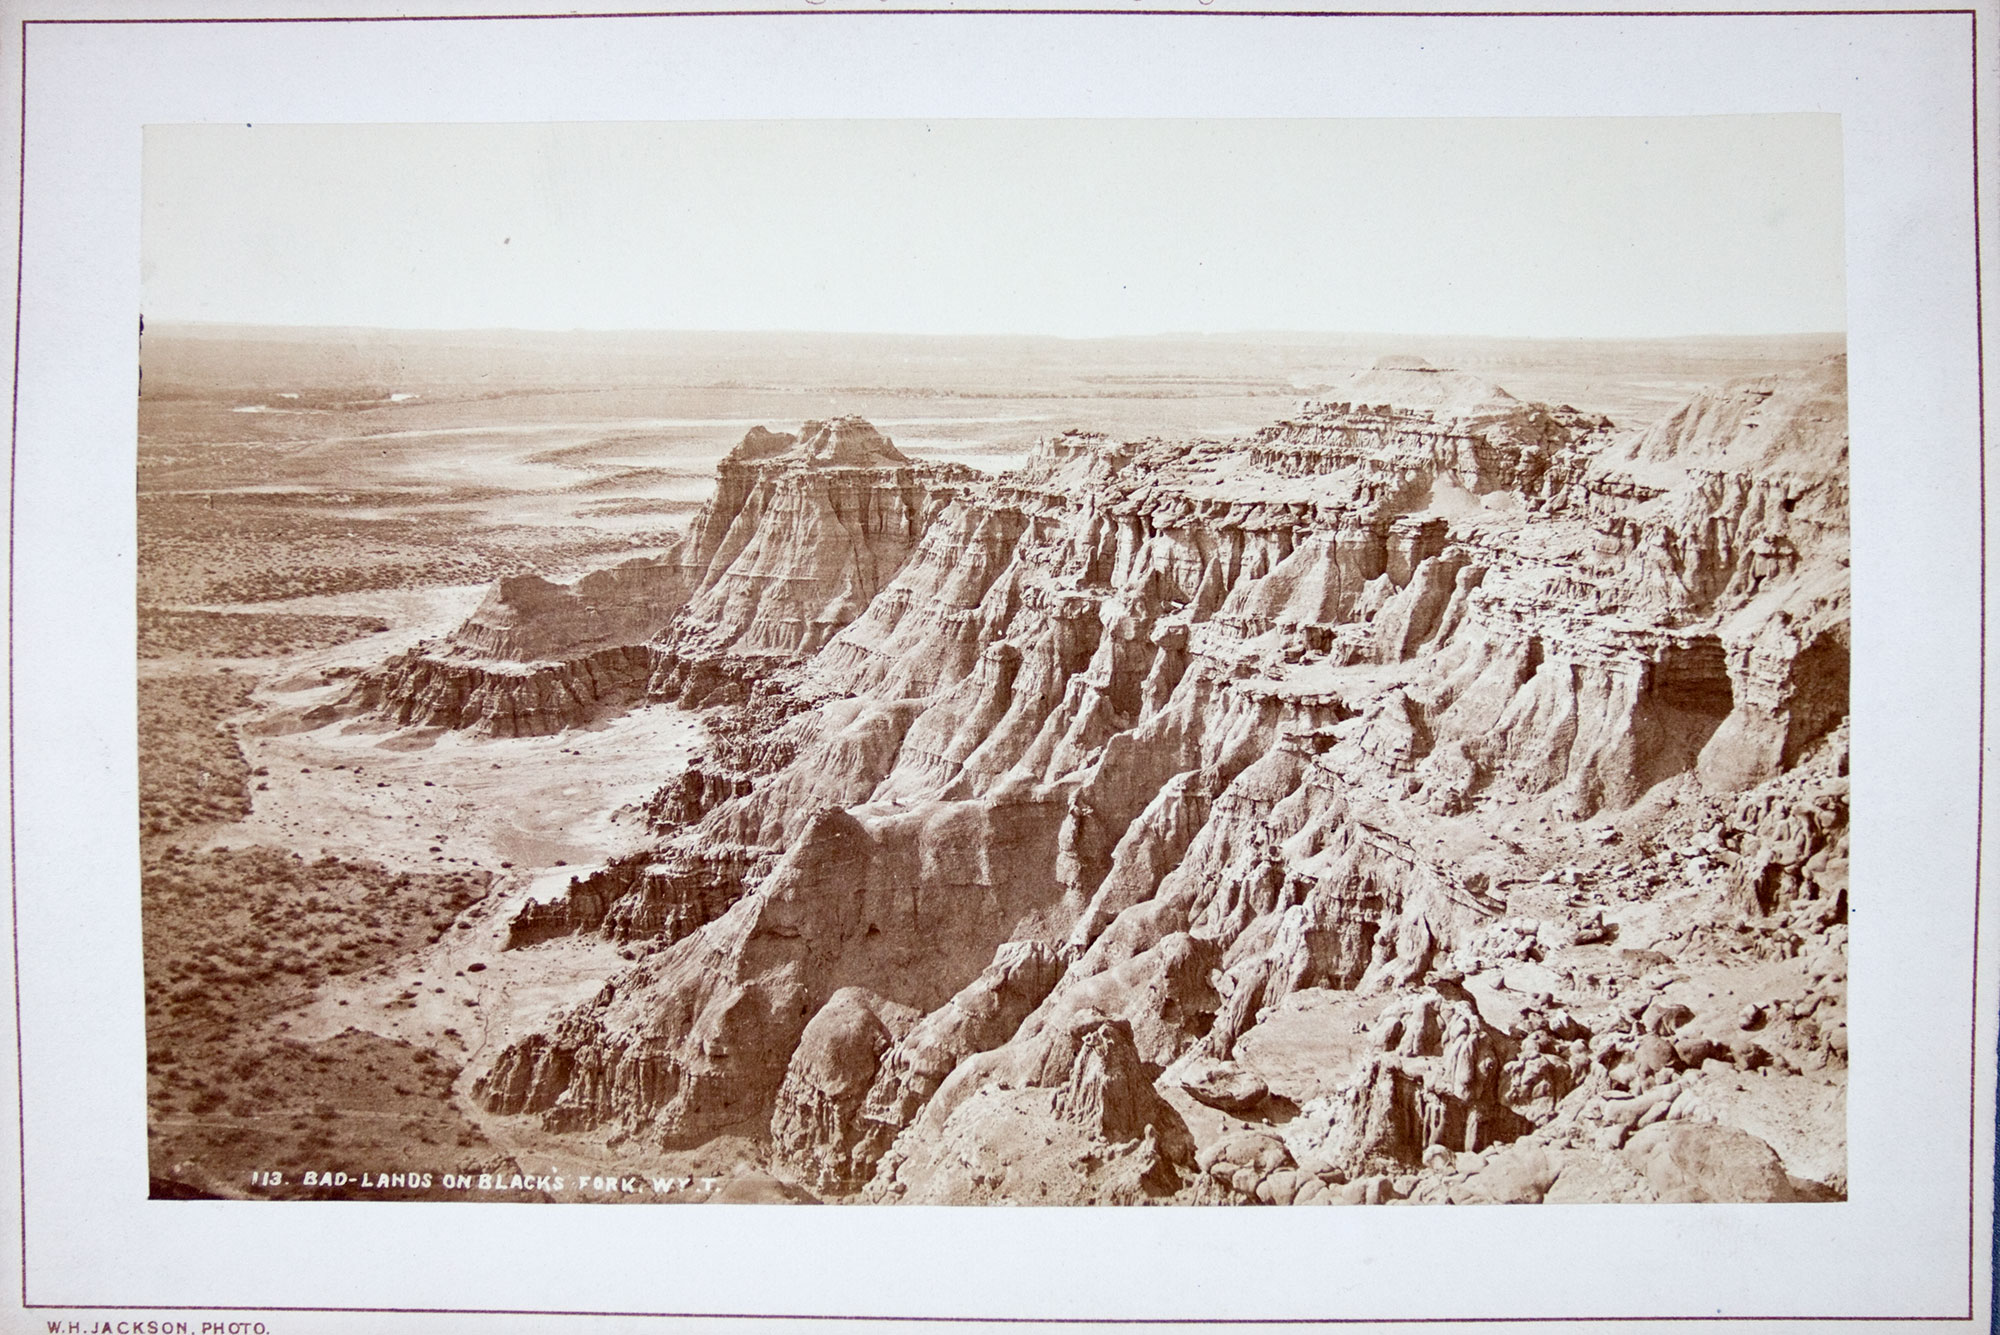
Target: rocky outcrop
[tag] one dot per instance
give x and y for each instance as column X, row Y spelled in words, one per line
column 1788, row 689
column 1785, row 844
column 658, row 897
column 1092, row 1131
column 1753, row 526
column 1435, row 1082
column 1110, row 1093
column 425, row 689
column 801, row 534
column 982, row 1016
column 1410, row 705
column 814, row 1123
column 529, row 619
column 698, row 1037
column 534, row 658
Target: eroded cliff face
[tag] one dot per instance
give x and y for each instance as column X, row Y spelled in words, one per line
column 527, row 619
column 534, row 658
column 801, row 534
column 1308, row 817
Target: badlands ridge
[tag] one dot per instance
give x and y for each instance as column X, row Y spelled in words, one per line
column 1433, row 796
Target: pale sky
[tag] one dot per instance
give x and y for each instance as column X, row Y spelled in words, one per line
column 1558, row 228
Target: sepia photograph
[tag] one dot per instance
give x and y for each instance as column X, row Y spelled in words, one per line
column 935, row 631
column 973, row 662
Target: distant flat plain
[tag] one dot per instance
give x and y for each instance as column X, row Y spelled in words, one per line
column 613, row 421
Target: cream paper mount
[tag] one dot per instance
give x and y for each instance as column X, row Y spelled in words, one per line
column 1091, row 609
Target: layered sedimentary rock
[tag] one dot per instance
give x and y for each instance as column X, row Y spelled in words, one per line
column 534, row 658
column 924, row 899
column 496, row 697
column 1437, row 1081
column 659, row 896
column 1383, row 733
column 813, row 1125
column 528, row 619
column 1085, row 1126
column 802, row 532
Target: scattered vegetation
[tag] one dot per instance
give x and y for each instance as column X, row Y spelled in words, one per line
column 355, row 1103
column 251, row 506
column 248, row 547
column 231, row 931
column 232, row 936
column 164, row 633
column 191, row 770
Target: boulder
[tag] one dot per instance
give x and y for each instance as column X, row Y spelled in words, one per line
column 1699, row 1161
column 1223, row 1085
column 1518, row 1174
column 1259, row 1151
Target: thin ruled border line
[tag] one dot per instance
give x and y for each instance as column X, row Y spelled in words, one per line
column 1973, row 1128
column 13, row 822
column 1119, row 13
column 1003, row 1320
column 1973, row 1136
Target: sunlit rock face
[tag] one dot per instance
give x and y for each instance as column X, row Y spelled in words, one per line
column 534, row 658
column 803, row 532
column 529, row 619
column 1367, row 736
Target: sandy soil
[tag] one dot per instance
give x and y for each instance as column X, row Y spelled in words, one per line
column 463, row 996
column 424, row 800
column 411, row 614
column 526, row 804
